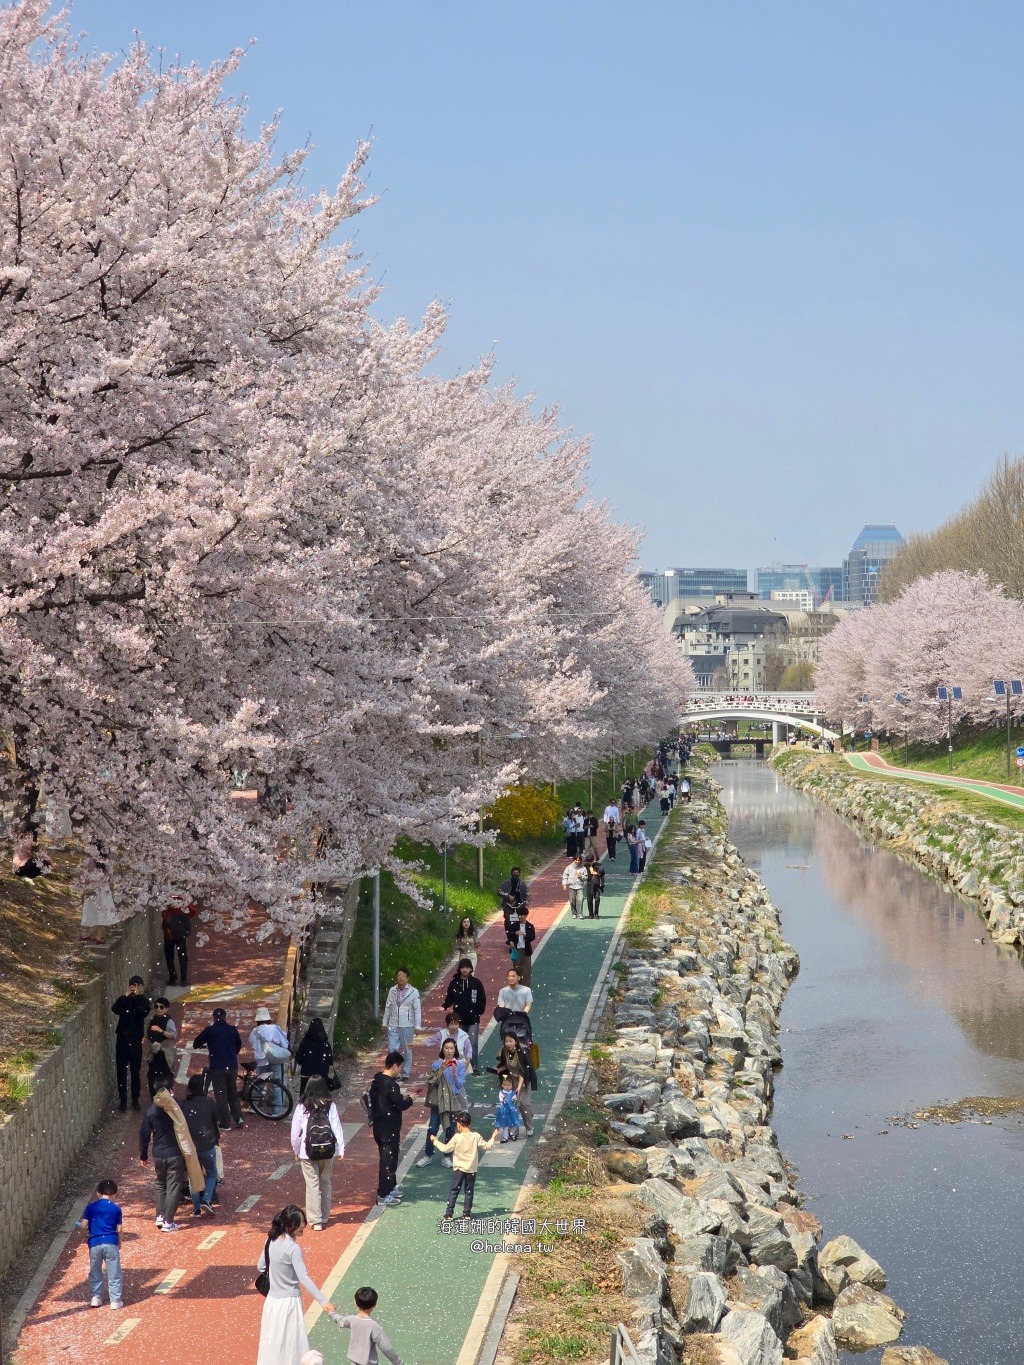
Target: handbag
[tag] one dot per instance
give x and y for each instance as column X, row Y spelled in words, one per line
column 333, row 1082
column 262, row 1280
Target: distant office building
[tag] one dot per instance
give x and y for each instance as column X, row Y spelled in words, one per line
column 668, row 584
column 871, row 551
column 800, row 597
column 823, row 584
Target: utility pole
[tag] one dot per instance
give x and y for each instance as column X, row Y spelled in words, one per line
column 376, row 944
column 444, row 877
column 949, row 695
column 480, row 818
column 1003, row 688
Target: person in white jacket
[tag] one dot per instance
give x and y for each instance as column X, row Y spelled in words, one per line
column 574, row 880
column 269, row 1044
column 402, row 1018
column 314, row 1124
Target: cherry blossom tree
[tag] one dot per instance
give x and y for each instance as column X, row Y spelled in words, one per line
column 244, row 531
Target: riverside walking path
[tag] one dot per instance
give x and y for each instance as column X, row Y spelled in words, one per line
column 995, row 791
column 189, row 1297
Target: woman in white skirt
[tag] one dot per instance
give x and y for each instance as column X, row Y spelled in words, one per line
column 283, row 1339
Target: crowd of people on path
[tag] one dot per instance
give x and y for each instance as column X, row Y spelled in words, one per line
column 184, row 1140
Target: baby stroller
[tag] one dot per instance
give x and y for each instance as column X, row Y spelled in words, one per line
column 518, row 1025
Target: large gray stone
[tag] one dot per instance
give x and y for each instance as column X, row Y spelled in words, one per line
column 769, row 1244
column 636, row 1136
column 643, row 1273
column 759, row 1293
column 863, row 1318
column 626, row 1164
column 814, row 1342
column 667, row 1163
column 717, row 1184
column 703, row 1303
column 624, row 1102
column 679, row 1117
column 685, row 1216
column 704, row 1252
column 861, row 1268
column 752, row 1336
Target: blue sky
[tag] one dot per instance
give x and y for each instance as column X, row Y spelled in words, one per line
column 769, row 255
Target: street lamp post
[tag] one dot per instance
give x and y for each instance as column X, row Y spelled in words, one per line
column 376, row 944
column 1013, row 688
column 949, row 695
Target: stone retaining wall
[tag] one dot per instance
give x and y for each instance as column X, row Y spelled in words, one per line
column 71, row 1087
column 981, row 858
column 728, row 1255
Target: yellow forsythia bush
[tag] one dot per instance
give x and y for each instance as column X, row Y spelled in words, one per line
column 524, row 813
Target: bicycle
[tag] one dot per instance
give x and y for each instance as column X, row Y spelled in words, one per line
column 265, row 1095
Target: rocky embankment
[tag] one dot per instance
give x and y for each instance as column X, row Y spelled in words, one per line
column 980, row 858
column 730, row 1268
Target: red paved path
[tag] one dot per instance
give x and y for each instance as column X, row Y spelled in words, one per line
column 213, row 1312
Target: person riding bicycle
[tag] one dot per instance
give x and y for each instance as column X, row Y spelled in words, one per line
column 269, row 1044
column 224, row 1043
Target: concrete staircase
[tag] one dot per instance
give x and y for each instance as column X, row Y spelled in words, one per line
column 327, row 959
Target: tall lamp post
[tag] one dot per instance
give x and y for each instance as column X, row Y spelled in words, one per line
column 949, row 695
column 1012, row 688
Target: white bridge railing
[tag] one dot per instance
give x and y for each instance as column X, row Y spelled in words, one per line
column 782, row 703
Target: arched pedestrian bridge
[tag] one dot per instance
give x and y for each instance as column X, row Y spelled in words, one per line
column 781, row 709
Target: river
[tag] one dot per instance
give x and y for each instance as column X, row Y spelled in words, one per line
column 897, row 1006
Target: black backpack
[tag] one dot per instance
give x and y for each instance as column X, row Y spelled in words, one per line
column 321, row 1143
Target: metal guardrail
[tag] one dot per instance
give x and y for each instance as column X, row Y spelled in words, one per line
column 623, row 1351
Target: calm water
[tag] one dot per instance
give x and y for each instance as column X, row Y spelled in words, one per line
column 896, row 1007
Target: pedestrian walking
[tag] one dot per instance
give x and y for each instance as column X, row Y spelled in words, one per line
column 368, row 1341
column 514, row 893
column 453, row 1031
column 223, row 1042
column 168, row 1160
column 569, row 833
column 177, row 923
column 467, row 997
column 513, row 998
column 644, row 844
column 465, row 1148
column 318, row 1140
column 684, row 789
column 269, row 1044
column 446, row 1096
column 387, row 1105
column 612, row 823
column 131, row 1010
column 515, row 1061
column 200, row 1115
column 314, row 1055
column 633, row 844
column 591, row 825
column 283, row 1339
column 465, row 941
column 595, row 888
column 101, row 1219
column 402, row 1018
column 160, row 1056
column 520, row 945
column 574, row 881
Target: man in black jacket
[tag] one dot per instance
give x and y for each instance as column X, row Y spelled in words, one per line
column 520, row 942
column 467, row 997
column 201, row 1116
column 224, row 1043
column 514, row 893
column 168, row 1163
column 387, row 1105
column 131, row 1010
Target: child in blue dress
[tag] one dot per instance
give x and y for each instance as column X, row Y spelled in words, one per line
column 508, row 1118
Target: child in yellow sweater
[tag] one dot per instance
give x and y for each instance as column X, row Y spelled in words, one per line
column 465, row 1147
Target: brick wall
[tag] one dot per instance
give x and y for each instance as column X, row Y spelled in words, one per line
column 71, row 1088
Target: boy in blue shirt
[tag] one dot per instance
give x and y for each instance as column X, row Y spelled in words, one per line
column 102, row 1220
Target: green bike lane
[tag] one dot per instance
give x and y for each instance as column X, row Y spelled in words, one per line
column 994, row 791
column 431, row 1281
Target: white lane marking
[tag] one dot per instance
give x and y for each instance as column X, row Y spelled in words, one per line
column 209, row 1242
column 412, row 1148
column 127, row 1326
column 281, row 1171
column 186, row 1057
column 350, row 1130
column 169, row 1281
column 248, row 1204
